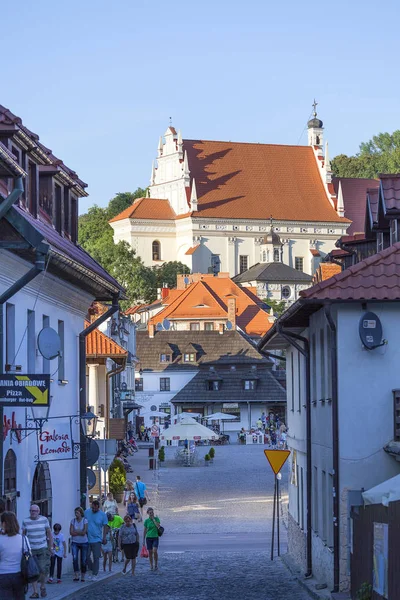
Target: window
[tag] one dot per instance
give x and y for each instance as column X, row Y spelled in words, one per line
column 394, row 237
column 286, row 292
column 10, row 333
column 74, row 219
column 298, row 263
column 215, row 263
column 213, row 386
column 250, row 384
column 42, row 490
column 277, row 255
column 156, row 250
column 165, row 358
column 61, row 359
column 209, row 326
column 32, row 188
column 164, row 384
column 329, row 533
column 66, row 215
column 264, row 256
column 194, row 326
column 322, row 362
column 139, row 384
column 189, row 357
column 57, row 208
column 31, row 341
column 46, row 363
column 243, row 263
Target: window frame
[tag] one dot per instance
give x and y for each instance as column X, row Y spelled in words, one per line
column 138, row 384
column 277, row 253
column 299, row 258
column 252, row 385
column 197, row 328
column 213, row 385
column 165, row 384
column 209, row 326
column 167, row 358
column 191, row 355
column 156, row 250
column 286, row 287
column 243, row 258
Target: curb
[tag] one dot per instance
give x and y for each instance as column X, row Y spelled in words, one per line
column 68, row 595
column 306, row 584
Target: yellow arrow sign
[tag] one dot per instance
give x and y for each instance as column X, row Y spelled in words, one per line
column 277, row 459
column 40, row 397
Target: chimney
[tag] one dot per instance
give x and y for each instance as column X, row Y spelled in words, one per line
column 221, row 328
column 232, row 312
column 164, row 292
column 152, row 329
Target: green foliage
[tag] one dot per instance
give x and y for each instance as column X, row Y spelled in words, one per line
column 277, row 306
column 207, row 457
column 122, row 201
column 211, row 452
column 161, row 454
column 381, row 154
column 365, row 592
column 166, row 273
column 117, row 477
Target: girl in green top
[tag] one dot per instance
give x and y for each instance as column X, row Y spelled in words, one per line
column 150, row 536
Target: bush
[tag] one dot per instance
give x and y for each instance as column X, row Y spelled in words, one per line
column 207, row 457
column 161, row 454
column 211, row 452
column 117, row 477
column 365, row 592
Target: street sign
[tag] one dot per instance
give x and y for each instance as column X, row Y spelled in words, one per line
column 105, row 461
column 277, row 459
column 24, row 390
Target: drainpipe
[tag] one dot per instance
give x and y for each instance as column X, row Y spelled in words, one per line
column 272, row 355
column 13, row 197
column 82, row 391
column 335, row 451
column 16, row 287
column 291, row 338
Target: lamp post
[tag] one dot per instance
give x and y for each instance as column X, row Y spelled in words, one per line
column 89, row 423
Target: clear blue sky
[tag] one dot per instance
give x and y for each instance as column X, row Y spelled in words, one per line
column 99, row 80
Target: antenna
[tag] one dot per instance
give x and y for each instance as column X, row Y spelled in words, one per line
column 228, row 325
column 166, row 324
column 49, row 343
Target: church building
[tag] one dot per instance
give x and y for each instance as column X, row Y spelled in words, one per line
column 225, row 206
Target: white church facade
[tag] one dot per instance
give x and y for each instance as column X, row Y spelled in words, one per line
column 211, row 205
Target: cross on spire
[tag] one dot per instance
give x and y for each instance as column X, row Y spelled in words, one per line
column 170, row 120
column 314, row 105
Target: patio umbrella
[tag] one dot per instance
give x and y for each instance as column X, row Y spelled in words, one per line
column 182, row 415
column 188, row 429
column 220, row 416
column 155, row 413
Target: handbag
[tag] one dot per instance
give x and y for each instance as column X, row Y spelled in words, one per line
column 29, row 567
column 160, row 530
column 144, row 553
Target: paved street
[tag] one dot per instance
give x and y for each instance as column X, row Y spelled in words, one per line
column 217, row 534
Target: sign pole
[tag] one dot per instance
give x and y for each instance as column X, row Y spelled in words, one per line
column 277, row 512
column 273, row 523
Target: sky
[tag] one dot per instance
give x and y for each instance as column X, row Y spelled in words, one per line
column 98, row 81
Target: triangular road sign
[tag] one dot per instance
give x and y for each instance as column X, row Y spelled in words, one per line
column 277, row 459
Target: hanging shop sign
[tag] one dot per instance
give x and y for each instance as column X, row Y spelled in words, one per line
column 55, row 440
column 10, row 424
column 24, row 390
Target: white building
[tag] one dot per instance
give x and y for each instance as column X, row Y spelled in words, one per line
column 210, row 205
column 57, row 282
column 340, row 405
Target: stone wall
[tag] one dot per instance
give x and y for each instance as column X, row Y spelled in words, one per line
column 322, row 561
column 344, row 567
column 297, row 543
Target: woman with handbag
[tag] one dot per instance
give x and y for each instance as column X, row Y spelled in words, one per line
column 128, row 542
column 11, row 584
column 151, row 534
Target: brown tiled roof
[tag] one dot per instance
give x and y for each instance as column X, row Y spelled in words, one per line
column 391, row 191
column 147, row 208
column 133, row 309
column 100, row 345
column 325, row 271
column 355, row 199
column 255, row 181
column 192, row 250
column 314, row 252
column 375, row 278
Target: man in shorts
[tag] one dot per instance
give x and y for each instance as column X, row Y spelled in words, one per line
column 37, row 529
column 141, row 494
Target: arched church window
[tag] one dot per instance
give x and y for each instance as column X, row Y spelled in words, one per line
column 277, row 255
column 10, row 480
column 156, row 248
column 264, row 256
column 317, row 140
column 41, row 489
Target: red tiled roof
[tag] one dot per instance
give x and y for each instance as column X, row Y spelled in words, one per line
column 355, row 199
column 99, row 344
column 255, row 181
column 147, row 208
column 133, row 309
column 391, row 191
column 375, row 278
column 325, row 271
column 192, row 250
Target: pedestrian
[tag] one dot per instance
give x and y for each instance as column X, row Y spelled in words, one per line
column 263, row 420
column 110, row 504
column 97, row 521
column 147, row 434
column 78, row 531
column 140, row 491
column 129, row 543
column 142, row 430
column 133, row 507
column 36, row 527
column 115, row 522
column 11, row 584
column 259, row 423
column 151, row 537
column 107, row 547
column 59, row 552
column 127, row 491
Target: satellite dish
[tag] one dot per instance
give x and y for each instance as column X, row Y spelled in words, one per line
column 186, row 280
column 370, row 329
column 49, row 343
column 159, row 327
column 91, row 478
column 166, row 324
column 229, row 325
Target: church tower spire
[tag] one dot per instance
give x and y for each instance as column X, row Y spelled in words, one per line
column 315, row 129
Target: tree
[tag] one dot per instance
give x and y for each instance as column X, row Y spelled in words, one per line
column 277, row 306
column 381, row 154
column 166, row 274
column 122, row 201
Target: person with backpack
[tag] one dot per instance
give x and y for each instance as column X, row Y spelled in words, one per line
column 11, row 584
column 128, row 543
column 37, row 529
column 141, row 494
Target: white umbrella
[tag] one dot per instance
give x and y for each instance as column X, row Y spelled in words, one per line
column 188, row 429
column 155, row 413
column 219, row 416
column 184, row 415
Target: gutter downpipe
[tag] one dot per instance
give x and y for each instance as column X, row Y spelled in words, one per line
column 290, row 337
column 335, row 450
column 82, row 392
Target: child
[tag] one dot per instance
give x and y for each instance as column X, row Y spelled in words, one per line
column 107, row 547
column 60, row 551
column 133, row 507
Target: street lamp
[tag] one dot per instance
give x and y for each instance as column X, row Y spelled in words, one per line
column 89, row 423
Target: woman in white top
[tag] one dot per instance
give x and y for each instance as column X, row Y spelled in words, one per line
column 110, row 505
column 11, row 585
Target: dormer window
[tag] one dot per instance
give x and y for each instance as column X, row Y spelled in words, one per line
column 165, row 358
column 250, row 384
column 189, row 357
column 214, row 385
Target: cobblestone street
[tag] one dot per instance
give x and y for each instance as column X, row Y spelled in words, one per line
column 217, row 533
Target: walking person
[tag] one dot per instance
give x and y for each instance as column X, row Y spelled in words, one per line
column 97, row 521
column 140, row 491
column 59, row 552
column 78, row 530
column 110, row 504
column 127, row 491
column 11, row 585
column 133, row 508
column 128, row 542
column 36, row 527
column 107, row 547
column 151, row 538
